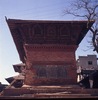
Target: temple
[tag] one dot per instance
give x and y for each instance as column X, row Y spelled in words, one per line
column 47, row 49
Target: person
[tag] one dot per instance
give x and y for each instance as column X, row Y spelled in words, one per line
column 79, row 73
column 91, row 81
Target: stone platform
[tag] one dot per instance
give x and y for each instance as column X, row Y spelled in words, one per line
column 29, row 92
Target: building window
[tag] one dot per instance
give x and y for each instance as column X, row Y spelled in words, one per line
column 40, row 70
column 90, row 62
column 51, row 71
column 61, row 72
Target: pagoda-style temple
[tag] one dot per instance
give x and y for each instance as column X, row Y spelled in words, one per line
column 47, row 48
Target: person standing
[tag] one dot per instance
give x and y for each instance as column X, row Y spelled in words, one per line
column 91, row 80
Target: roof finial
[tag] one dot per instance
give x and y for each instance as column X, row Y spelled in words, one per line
column 5, row 17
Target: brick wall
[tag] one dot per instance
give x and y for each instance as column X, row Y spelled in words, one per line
column 50, row 57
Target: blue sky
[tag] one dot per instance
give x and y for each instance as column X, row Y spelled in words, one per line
column 30, row 10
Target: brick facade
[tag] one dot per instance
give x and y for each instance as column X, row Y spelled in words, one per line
column 50, row 55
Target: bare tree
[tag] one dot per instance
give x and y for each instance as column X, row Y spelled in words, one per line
column 86, row 9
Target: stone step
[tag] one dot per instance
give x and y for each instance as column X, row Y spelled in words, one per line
column 64, row 95
column 45, row 95
column 47, row 89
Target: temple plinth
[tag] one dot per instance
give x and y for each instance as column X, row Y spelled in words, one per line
column 47, row 48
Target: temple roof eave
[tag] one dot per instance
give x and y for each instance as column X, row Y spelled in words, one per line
column 19, row 42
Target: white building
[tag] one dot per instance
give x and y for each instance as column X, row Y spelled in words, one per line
column 86, row 65
column 88, row 62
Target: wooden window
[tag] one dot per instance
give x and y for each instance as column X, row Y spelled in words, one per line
column 61, row 71
column 40, row 70
column 51, row 71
